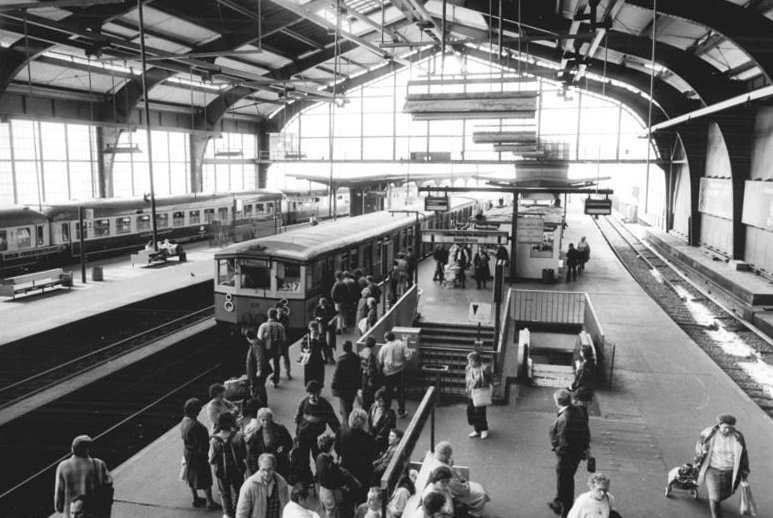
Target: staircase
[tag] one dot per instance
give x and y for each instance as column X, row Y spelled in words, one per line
column 448, row 344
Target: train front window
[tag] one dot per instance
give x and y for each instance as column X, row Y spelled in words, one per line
column 178, row 219
column 143, row 223
column 288, row 277
column 255, row 274
column 3, row 240
column 123, row 225
column 23, row 238
column 101, row 227
column 226, row 273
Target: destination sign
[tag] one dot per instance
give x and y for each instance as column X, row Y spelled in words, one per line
column 472, row 237
column 436, row 203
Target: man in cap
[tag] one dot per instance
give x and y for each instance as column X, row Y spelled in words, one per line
column 76, row 475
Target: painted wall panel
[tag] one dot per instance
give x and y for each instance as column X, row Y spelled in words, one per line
column 717, row 159
column 762, row 147
column 717, row 234
column 716, row 197
column 682, row 200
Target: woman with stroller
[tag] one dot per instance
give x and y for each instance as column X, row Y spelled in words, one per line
column 722, row 461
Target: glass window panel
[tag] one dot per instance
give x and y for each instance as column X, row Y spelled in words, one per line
column 347, row 125
column 248, row 146
column 123, row 225
column 417, row 128
column 418, row 144
column 209, row 215
column 23, row 237
column 141, row 179
column 53, row 134
column 403, row 124
column 101, row 227
column 452, row 128
column 6, row 183
column 5, row 141
column 254, row 273
column 24, row 141
column 378, row 125
column 315, row 148
column 288, row 277
column 27, row 183
column 160, row 143
column 3, row 240
column 160, row 178
column 402, row 148
column 315, row 126
column 347, row 149
column 143, row 223
column 162, row 220
column 179, row 178
column 55, row 178
column 378, row 104
column 226, row 273
column 79, row 141
column 599, row 120
column 194, row 217
column 208, row 178
column 377, row 148
column 353, row 102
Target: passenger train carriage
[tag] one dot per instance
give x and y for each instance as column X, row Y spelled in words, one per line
column 299, row 265
column 36, row 239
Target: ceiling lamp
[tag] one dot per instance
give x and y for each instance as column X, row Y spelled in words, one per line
column 110, row 149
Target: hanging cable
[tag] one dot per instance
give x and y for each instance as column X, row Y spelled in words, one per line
column 604, row 95
column 331, row 111
column 35, row 136
column 649, row 105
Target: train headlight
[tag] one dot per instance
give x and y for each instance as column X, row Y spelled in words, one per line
column 228, row 305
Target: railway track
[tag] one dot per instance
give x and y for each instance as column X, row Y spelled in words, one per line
column 23, row 388
column 732, row 342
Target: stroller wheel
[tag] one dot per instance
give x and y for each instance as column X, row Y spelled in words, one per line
column 668, row 492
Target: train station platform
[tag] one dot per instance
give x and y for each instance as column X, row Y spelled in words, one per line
column 123, row 284
column 664, row 391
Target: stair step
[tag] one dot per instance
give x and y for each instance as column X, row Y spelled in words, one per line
column 541, row 381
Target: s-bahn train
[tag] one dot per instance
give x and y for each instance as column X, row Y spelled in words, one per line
column 300, row 207
column 299, row 265
column 37, row 239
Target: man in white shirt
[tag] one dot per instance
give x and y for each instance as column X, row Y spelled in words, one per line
column 393, row 357
column 302, row 500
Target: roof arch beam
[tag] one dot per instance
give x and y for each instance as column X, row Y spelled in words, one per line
column 746, row 28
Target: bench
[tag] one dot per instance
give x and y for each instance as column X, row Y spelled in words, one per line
column 146, row 257
column 413, row 506
column 20, row 284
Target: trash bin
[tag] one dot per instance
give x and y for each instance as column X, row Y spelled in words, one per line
column 96, row 274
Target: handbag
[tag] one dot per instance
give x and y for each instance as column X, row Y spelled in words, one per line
column 103, row 494
column 183, row 471
column 481, row 396
column 748, row 505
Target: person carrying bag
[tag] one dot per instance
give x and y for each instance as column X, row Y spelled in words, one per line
column 478, row 380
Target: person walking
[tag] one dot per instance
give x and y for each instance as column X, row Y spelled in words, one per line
column 257, row 367
column 371, row 372
column 274, row 336
column 392, row 357
column 572, row 261
column 283, row 315
column 228, row 454
column 264, row 494
column 311, row 356
column 584, row 249
column 596, row 503
column 357, row 450
column 314, row 414
column 303, row 501
column 196, row 470
column 477, row 377
column 722, row 461
column 440, row 255
column 325, row 315
column 83, row 475
column 481, row 270
column 339, row 296
column 570, row 440
column 381, row 420
column 270, row 437
column 346, row 380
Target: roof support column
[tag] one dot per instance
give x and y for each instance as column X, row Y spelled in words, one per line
column 264, row 155
column 737, row 128
column 198, row 145
column 695, row 138
column 107, row 136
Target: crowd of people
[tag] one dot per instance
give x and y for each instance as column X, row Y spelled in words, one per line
column 452, row 264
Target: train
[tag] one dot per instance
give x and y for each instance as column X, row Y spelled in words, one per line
column 33, row 239
column 299, row 265
column 301, row 207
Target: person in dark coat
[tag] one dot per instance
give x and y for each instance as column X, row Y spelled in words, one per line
column 375, row 291
column 312, row 418
column 339, row 295
column 311, row 350
column 257, row 367
column 228, row 455
column 371, row 372
column 440, row 255
column 325, row 315
column 572, row 262
column 346, row 380
column 570, row 440
column 381, row 420
column 352, row 297
column 412, row 262
column 196, row 448
column 357, row 450
column 481, row 270
column 503, row 254
column 270, row 437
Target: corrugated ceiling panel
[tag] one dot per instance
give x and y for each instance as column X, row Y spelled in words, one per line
column 265, row 58
column 172, row 26
column 51, row 13
column 632, row 19
column 725, row 55
column 678, row 33
column 171, row 94
column 120, row 30
column 152, row 42
column 290, row 46
column 238, row 65
column 63, row 77
column 8, row 38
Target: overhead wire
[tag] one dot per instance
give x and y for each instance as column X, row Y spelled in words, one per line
column 35, row 122
column 649, row 104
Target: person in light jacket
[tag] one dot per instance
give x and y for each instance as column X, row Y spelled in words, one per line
column 722, row 461
column 264, row 494
column 476, row 376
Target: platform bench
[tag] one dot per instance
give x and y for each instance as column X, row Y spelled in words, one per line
column 146, row 257
column 413, row 505
column 20, row 284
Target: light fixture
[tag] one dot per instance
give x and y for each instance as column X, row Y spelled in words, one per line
column 111, row 149
column 228, row 152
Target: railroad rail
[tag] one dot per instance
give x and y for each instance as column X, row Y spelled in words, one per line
column 40, row 381
column 734, row 344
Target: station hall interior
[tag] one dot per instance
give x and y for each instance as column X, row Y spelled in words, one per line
column 127, row 124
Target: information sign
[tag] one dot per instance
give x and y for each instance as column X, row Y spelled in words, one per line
column 596, row 207
column 436, row 203
column 472, row 237
column 480, row 312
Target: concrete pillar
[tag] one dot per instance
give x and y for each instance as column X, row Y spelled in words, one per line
column 198, row 145
column 264, row 155
column 106, row 136
column 694, row 137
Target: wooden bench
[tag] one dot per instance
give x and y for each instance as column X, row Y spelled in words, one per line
column 20, row 284
column 413, row 506
column 146, row 257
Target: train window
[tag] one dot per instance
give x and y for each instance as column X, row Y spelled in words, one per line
column 248, row 211
column 23, row 238
column 270, row 207
column 3, row 240
column 143, row 223
column 226, row 273
column 178, row 219
column 222, row 214
column 123, row 225
column 194, row 217
column 288, row 277
column 209, row 215
column 255, row 274
column 39, row 235
column 101, row 227
column 65, row 232
column 162, row 220
column 259, row 208
column 354, row 258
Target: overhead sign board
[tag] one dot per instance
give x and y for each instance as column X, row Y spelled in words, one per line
column 480, row 312
column 595, row 207
column 485, row 226
column 436, row 203
column 472, row 237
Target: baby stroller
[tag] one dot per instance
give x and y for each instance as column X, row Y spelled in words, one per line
column 684, row 477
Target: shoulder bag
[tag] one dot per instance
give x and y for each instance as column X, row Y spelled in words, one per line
column 103, row 494
column 481, row 396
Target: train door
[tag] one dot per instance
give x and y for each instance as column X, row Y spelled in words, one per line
column 328, row 273
column 354, row 259
column 367, row 260
column 387, row 256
